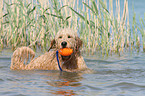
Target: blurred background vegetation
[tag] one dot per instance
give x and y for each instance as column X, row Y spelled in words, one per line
column 103, row 28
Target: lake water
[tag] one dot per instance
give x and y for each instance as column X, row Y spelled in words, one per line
column 112, row 76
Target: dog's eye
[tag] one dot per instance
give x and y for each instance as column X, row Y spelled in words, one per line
column 60, row 37
column 69, row 36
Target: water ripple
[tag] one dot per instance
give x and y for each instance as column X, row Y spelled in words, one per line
column 93, row 88
column 124, row 71
column 127, row 85
column 1, row 80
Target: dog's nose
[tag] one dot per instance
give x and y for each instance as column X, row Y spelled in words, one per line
column 63, row 44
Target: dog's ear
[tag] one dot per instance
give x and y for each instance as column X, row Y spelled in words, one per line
column 52, row 45
column 79, row 43
column 52, row 42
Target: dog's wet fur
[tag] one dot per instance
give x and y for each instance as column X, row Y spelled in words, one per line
column 65, row 38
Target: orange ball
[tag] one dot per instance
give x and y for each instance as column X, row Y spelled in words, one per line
column 65, row 51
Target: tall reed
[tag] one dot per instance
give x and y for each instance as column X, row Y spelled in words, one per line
column 34, row 23
column 1, row 20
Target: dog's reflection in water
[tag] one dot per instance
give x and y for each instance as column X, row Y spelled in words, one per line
column 64, row 83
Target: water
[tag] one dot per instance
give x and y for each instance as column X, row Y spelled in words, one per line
column 112, row 76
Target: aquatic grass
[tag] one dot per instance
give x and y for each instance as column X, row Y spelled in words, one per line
column 141, row 28
column 35, row 23
column 104, row 26
column 1, row 19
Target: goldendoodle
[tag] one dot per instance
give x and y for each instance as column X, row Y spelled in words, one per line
column 65, row 38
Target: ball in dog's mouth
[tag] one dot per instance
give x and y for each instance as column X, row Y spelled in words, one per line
column 65, row 51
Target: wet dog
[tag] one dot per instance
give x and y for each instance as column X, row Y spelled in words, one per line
column 65, row 38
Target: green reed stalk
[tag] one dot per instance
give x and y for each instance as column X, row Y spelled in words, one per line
column 34, row 23
column 1, row 26
column 141, row 29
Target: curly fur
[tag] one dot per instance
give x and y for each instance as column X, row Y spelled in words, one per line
column 48, row 61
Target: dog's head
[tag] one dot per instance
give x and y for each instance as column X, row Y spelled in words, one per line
column 67, row 38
